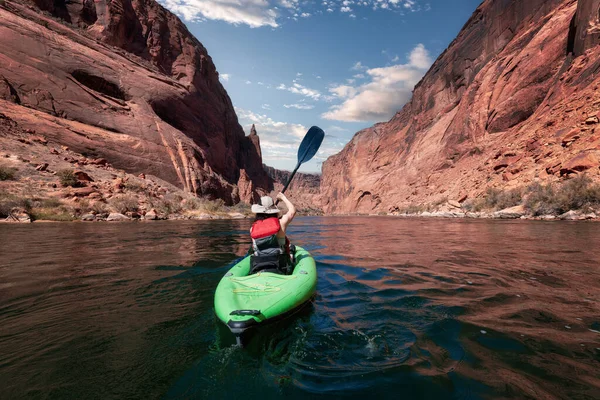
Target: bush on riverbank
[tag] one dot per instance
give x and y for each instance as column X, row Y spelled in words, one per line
column 200, row 204
column 124, row 203
column 495, row 199
column 10, row 201
column 7, row 173
column 38, row 208
column 169, row 204
column 61, row 213
column 241, row 207
column 413, row 209
column 579, row 193
column 214, row 206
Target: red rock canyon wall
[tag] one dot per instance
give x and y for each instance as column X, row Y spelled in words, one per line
column 514, row 99
column 125, row 80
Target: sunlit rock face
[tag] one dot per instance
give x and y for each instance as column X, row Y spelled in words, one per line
column 514, row 99
column 144, row 92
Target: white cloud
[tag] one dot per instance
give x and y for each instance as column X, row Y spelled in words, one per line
column 267, row 13
column 344, row 91
column 248, row 82
column 410, row 4
column 297, row 88
column 291, row 4
column 359, row 67
column 224, row 77
column 389, row 89
column 279, row 141
column 285, row 132
column 300, row 106
column 419, row 57
column 260, row 83
column 254, row 13
column 358, row 76
column 266, row 107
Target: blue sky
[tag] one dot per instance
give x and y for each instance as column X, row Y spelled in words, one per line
column 341, row 65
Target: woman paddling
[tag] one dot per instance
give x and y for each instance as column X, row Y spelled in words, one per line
column 271, row 247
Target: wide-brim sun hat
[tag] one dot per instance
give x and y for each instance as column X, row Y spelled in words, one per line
column 266, row 206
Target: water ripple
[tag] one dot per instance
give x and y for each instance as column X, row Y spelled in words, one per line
column 417, row 308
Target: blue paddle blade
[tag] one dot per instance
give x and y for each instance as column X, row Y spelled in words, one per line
column 310, row 144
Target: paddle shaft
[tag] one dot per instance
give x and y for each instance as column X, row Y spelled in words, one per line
column 291, row 177
column 289, row 180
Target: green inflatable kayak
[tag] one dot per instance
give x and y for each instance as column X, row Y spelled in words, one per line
column 245, row 301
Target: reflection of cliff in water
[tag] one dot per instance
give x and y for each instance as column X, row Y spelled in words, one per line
column 438, row 309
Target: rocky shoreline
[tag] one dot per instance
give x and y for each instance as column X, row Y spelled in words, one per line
column 505, row 214
column 40, row 181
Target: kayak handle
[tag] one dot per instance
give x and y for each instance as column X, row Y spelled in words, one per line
column 245, row 312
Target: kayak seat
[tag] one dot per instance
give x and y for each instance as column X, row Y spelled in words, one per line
column 276, row 263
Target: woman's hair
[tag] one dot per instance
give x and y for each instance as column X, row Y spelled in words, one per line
column 261, row 216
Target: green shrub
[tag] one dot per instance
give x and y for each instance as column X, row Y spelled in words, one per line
column 199, row 204
column 10, row 201
column 2, row 3
column 500, row 199
column 579, row 193
column 67, row 178
column 6, row 173
column 193, row 203
column 412, row 209
column 473, row 205
column 52, row 214
column 49, row 202
column 124, row 203
column 134, row 186
column 214, row 205
column 541, row 199
column 170, row 204
column 241, row 207
column 99, row 207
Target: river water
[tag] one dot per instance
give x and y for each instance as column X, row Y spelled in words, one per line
column 405, row 308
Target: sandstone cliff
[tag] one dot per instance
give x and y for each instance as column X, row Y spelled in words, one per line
column 304, row 191
column 513, row 100
column 126, row 81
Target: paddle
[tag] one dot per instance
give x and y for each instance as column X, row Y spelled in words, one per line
column 308, row 148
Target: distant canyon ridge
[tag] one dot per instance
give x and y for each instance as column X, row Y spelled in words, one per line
column 513, row 100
